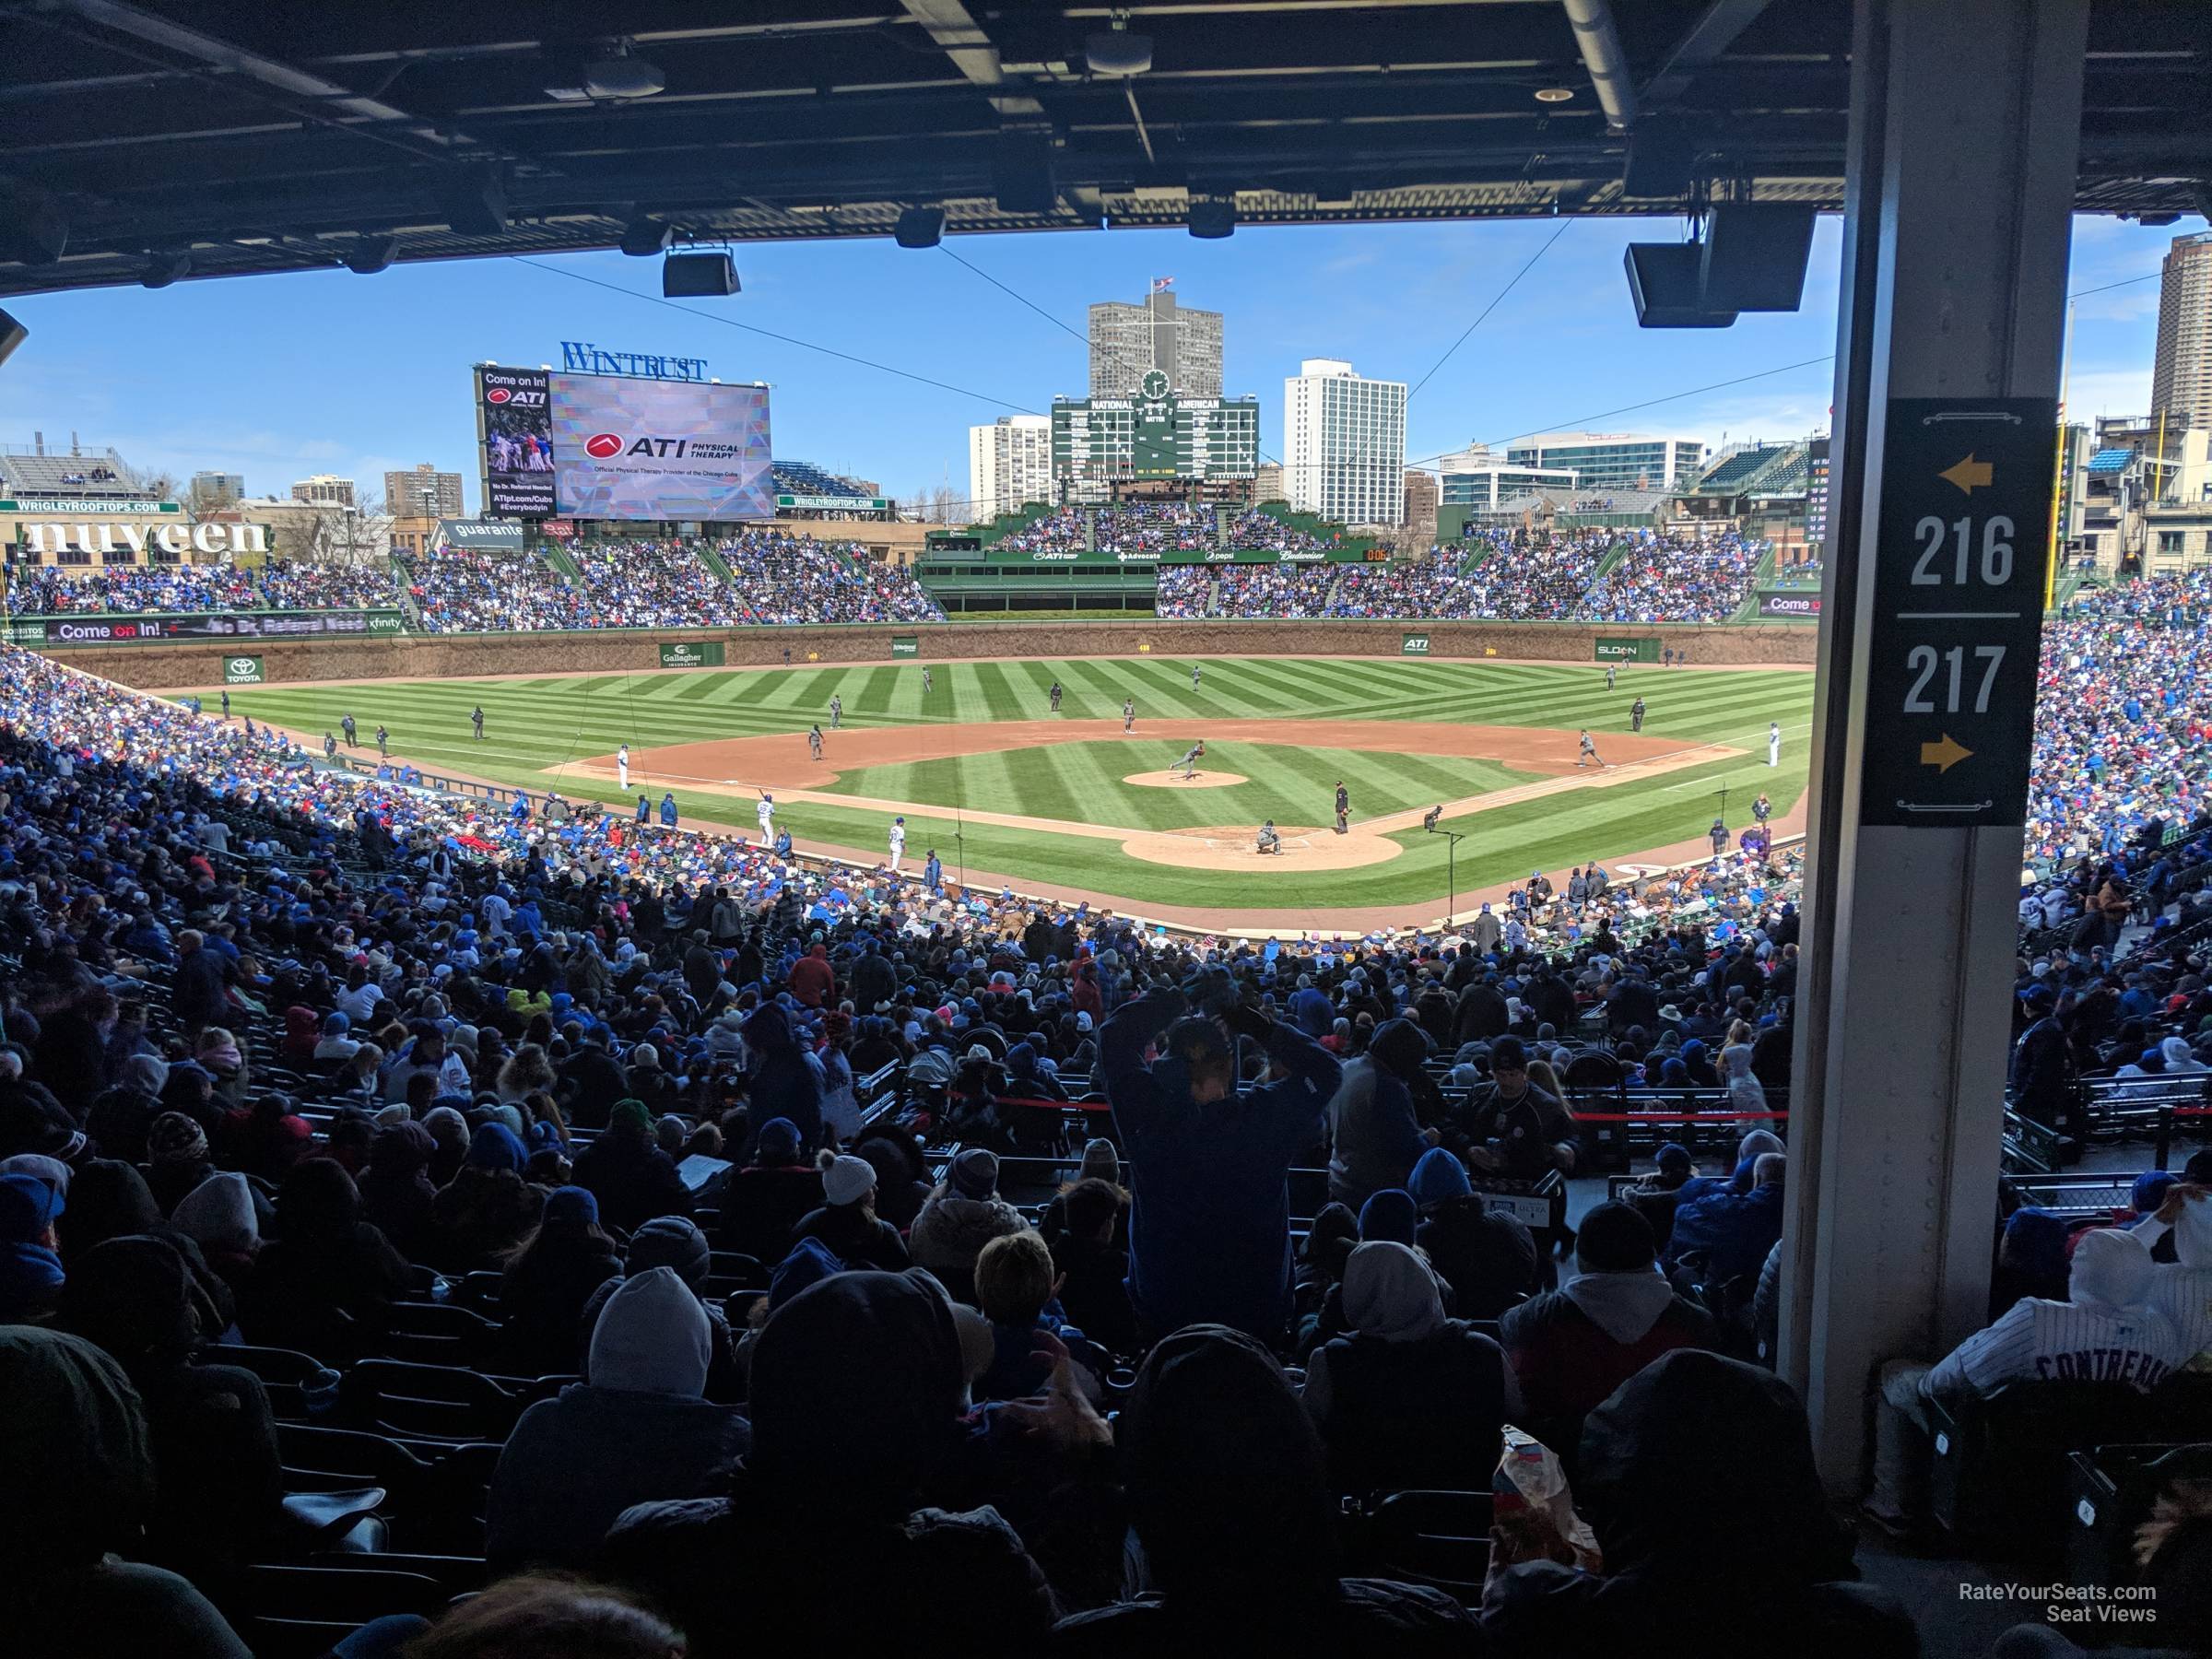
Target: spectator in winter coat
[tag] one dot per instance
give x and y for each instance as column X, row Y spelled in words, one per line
column 1487, row 1258
column 549, row 1279
column 676, row 1242
column 632, row 1179
column 855, row 1398
column 396, row 1193
column 963, row 1213
column 487, row 1209
column 324, row 1261
column 2181, row 1290
column 847, row 1221
column 1735, row 1233
column 30, row 1263
column 769, row 1195
column 639, row 1428
column 1410, row 1398
column 812, row 978
column 782, row 1078
column 1375, row 1136
column 1228, row 1491
column 1572, row 1347
column 1209, row 1230
column 1697, row 1475
column 1093, row 1269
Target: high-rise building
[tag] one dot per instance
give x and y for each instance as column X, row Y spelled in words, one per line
column 424, row 493
column 1268, row 482
column 1343, row 443
column 1603, row 461
column 1480, row 479
column 2180, row 376
column 1009, row 463
column 325, row 490
column 1420, row 509
column 1127, row 340
column 217, row 488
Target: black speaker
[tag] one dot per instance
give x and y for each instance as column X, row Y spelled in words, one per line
column 32, row 228
column 1662, row 281
column 1661, row 157
column 12, row 335
column 1755, row 256
column 1021, row 174
column 698, row 276
column 920, row 228
column 475, row 202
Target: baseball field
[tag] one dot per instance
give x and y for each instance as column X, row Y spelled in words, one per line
column 1068, row 803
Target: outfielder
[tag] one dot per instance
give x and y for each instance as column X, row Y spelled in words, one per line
column 1190, row 760
column 1055, row 697
column 836, row 711
column 898, row 842
column 766, row 812
column 1194, row 677
column 1773, row 743
column 928, row 685
column 476, row 719
column 1611, row 670
column 1589, row 751
column 1128, row 714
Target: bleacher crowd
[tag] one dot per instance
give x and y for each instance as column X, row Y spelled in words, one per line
column 473, row 590
column 1670, row 576
column 784, row 578
column 278, row 584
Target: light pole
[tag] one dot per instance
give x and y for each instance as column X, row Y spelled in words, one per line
column 1451, row 840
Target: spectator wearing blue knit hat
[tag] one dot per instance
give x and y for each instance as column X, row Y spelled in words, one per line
column 30, row 1263
column 549, row 1280
column 1488, row 1259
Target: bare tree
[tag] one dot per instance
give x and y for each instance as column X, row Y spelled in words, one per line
column 157, row 482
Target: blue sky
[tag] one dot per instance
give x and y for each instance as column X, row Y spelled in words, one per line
column 279, row 377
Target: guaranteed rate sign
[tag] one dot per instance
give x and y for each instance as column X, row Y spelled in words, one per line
column 1958, row 611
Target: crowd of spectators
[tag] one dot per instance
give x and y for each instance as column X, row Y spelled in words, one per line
column 1803, row 573
column 785, row 578
column 278, row 584
column 1673, row 576
column 1253, row 528
column 641, row 584
column 1066, row 530
column 472, row 590
column 1157, row 527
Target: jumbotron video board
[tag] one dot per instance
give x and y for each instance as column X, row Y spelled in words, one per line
column 609, row 447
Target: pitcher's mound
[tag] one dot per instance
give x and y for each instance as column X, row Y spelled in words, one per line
column 1171, row 779
column 1235, row 847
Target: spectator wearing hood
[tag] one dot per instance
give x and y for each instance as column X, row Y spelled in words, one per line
column 1210, row 1227
column 1410, row 1398
column 326, row 1281
column 119, row 1121
column 1228, row 1488
column 856, row 1393
column 222, row 1219
column 676, row 1242
column 782, row 1079
column 1488, row 1259
column 334, row 1042
column 77, row 1482
column 1572, row 1347
column 217, row 1500
column 813, row 981
column 639, row 1428
column 396, row 1193
column 1733, row 1233
column 591, row 1082
column 2181, row 1290
column 487, row 1208
column 549, row 1277
column 901, row 1187
column 2031, row 1259
column 30, row 1262
column 1697, row 1476
column 629, row 1175
column 847, row 1222
column 964, row 1213
column 1375, row 1134
column 1029, row 1076
column 769, row 1196
column 2109, row 1329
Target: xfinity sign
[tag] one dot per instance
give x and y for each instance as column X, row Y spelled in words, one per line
column 173, row 539
column 580, row 357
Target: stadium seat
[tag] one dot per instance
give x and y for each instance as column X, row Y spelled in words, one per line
column 299, row 1612
column 1437, row 1537
column 299, row 1386
column 428, row 1332
column 1998, row 1481
column 2111, row 1490
column 443, row 1403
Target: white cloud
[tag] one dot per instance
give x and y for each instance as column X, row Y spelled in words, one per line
column 2091, row 392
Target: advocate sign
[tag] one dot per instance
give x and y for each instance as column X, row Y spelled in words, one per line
column 103, row 537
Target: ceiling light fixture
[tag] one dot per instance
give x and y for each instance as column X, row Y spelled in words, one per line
column 1555, row 94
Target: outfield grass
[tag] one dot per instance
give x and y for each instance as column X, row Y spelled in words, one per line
column 535, row 727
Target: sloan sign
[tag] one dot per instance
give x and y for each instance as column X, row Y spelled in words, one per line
column 176, row 540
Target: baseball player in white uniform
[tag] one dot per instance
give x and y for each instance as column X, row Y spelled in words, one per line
column 898, row 842
column 622, row 767
column 928, row 685
column 1190, row 760
column 1773, row 743
column 1128, row 713
column 766, row 812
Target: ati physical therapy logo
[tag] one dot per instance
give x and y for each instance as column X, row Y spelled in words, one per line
column 606, row 447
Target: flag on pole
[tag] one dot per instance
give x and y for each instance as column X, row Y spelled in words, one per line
column 1162, row 282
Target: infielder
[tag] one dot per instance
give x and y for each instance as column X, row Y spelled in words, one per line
column 1773, row 743
column 1636, row 715
column 1589, row 751
column 813, row 741
column 836, row 711
column 898, row 842
column 766, row 812
column 1190, row 760
column 622, row 767
column 1055, row 697
column 1128, row 714
column 1611, row 670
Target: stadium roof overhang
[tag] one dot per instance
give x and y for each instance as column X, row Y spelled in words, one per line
column 221, row 137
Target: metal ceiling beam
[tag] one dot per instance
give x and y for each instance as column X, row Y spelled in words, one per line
column 962, row 39
column 1708, row 39
column 1606, row 64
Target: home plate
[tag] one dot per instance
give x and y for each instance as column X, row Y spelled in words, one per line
column 1236, row 847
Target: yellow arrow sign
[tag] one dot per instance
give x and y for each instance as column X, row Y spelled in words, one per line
column 1969, row 475
column 1945, row 755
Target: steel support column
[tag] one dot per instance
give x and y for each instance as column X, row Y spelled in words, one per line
column 1964, row 127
